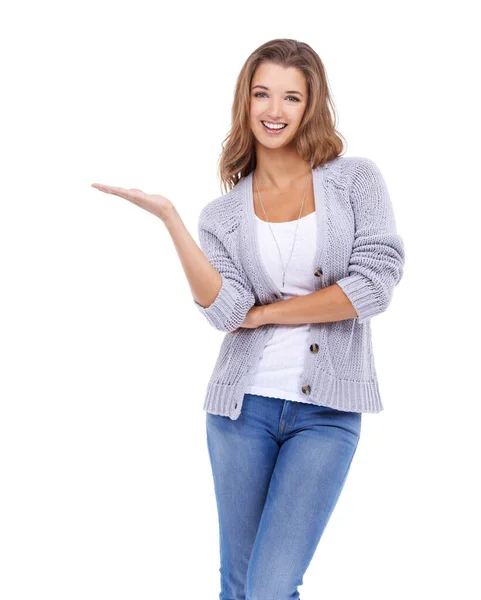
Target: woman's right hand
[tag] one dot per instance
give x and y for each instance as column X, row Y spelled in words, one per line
column 157, row 205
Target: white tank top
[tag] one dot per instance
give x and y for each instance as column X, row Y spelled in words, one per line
column 280, row 364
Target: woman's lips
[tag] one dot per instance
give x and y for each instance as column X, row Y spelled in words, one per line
column 273, row 131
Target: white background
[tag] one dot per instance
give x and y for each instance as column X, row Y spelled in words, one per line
column 106, row 489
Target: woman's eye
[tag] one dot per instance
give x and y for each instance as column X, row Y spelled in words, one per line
column 263, row 93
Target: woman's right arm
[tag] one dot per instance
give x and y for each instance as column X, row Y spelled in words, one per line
column 205, row 282
column 220, row 289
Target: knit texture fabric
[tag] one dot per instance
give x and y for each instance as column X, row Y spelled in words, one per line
column 358, row 248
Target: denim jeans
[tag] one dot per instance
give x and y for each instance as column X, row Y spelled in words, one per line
column 278, row 471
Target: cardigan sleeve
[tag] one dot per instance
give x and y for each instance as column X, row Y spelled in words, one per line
column 377, row 259
column 235, row 297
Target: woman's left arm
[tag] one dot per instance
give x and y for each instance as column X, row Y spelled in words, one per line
column 321, row 306
column 377, row 260
column 375, row 266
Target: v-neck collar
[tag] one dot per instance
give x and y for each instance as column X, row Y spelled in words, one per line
column 251, row 231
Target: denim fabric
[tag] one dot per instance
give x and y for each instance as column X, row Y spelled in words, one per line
column 278, row 471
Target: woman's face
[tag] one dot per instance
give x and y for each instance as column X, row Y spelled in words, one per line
column 277, row 95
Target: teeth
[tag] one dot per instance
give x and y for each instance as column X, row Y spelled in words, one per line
column 276, row 126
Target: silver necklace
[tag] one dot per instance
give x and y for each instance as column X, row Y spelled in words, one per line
column 295, row 234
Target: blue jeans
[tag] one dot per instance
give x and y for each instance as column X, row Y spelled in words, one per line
column 278, row 471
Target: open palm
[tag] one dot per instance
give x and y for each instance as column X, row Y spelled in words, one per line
column 153, row 203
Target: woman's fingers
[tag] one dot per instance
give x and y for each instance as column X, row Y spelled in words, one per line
column 102, row 187
column 118, row 191
column 133, row 195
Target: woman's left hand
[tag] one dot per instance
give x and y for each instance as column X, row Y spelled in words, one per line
column 254, row 318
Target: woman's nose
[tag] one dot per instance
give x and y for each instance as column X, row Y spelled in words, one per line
column 274, row 109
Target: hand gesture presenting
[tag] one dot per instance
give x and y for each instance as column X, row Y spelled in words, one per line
column 157, row 205
column 204, row 280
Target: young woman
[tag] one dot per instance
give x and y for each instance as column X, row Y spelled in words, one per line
column 296, row 258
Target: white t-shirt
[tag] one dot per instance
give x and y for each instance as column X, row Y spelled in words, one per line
column 281, row 363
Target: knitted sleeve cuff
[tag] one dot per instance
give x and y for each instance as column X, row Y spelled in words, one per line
column 362, row 295
column 229, row 308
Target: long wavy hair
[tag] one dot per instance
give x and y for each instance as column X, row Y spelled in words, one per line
column 317, row 139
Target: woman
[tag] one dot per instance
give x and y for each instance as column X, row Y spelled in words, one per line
column 296, row 258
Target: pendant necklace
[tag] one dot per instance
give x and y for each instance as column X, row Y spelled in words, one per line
column 295, row 234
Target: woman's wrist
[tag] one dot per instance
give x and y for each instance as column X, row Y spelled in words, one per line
column 264, row 314
column 169, row 215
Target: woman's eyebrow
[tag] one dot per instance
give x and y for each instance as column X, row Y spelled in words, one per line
column 286, row 92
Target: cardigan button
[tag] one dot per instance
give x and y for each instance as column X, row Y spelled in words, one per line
column 314, row 348
column 306, row 389
column 318, row 272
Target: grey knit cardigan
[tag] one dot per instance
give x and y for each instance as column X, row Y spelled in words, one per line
column 358, row 248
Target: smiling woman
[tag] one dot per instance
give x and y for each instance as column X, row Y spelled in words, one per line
column 287, row 392
column 280, row 85
column 285, row 397
column 277, row 111
column 260, row 100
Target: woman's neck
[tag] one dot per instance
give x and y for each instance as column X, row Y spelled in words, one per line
column 280, row 172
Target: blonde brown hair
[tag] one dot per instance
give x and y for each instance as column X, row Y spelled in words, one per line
column 317, row 139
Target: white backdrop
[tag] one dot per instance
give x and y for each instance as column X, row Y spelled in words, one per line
column 106, row 488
